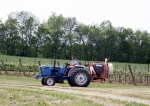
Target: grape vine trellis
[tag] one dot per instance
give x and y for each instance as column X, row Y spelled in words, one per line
column 141, row 76
column 15, row 68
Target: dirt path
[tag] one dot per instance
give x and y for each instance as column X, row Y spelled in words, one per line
column 98, row 94
column 93, row 93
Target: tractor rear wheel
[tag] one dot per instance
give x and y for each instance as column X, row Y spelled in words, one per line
column 80, row 78
column 70, row 83
column 50, row 81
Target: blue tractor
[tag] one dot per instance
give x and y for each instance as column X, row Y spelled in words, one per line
column 75, row 75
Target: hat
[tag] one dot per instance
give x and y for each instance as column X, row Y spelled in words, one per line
column 73, row 57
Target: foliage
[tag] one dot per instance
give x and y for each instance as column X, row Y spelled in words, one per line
column 22, row 34
column 17, row 67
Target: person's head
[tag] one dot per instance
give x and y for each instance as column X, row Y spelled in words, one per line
column 73, row 57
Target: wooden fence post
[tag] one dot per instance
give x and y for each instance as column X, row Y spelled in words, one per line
column 39, row 63
column 58, row 63
column 147, row 75
column 125, row 72
column 140, row 77
column 133, row 78
column 4, row 67
column 22, row 68
column 134, row 72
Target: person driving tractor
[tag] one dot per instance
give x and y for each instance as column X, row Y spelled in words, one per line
column 74, row 61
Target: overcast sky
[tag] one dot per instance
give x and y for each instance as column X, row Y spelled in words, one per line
column 133, row 14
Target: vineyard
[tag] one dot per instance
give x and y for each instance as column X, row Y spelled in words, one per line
column 134, row 75
column 137, row 74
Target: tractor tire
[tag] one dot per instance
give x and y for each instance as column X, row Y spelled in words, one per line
column 80, row 78
column 42, row 81
column 70, row 83
column 69, row 80
column 50, row 81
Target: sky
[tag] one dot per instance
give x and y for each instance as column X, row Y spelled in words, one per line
column 133, row 14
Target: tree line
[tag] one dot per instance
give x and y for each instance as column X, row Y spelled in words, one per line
column 22, row 34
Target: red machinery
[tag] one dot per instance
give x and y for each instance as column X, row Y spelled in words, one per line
column 100, row 70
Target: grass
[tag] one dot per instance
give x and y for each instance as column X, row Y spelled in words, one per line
column 138, row 96
column 23, row 96
column 29, row 60
column 27, row 91
column 20, row 91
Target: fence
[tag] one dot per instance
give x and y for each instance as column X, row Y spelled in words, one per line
column 126, row 75
column 134, row 76
column 18, row 69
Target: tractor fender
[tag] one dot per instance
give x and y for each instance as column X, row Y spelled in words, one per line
column 74, row 68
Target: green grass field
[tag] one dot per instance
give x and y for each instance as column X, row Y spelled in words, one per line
column 48, row 61
column 29, row 60
column 27, row 91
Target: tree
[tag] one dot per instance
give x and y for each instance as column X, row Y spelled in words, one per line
column 56, row 26
column 12, row 41
column 108, row 39
column 43, row 38
column 69, row 38
column 27, row 25
column 22, row 34
column 2, row 38
column 82, row 32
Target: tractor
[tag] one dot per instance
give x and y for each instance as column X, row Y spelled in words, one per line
column 78, row 75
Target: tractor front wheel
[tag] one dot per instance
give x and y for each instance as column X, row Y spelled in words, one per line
column 50, row 81
column 42, row 81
